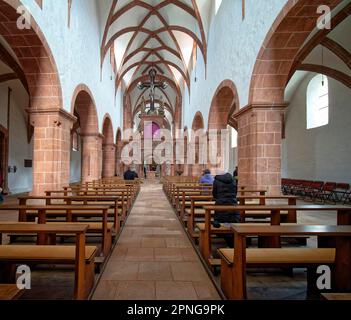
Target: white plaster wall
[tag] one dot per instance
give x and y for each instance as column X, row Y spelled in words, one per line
column 233, row 46
column 77, row 50
column 322, row 153
column 19, row 149
column 76, row 164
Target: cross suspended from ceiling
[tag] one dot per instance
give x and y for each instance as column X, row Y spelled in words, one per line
column 152, row 84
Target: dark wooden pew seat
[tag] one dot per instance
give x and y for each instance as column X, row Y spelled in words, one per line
column 336, row 296
column 9, row 292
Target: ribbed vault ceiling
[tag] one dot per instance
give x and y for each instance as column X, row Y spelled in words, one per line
column 160, row 34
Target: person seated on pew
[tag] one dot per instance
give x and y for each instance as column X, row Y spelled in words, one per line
column 130, row 175
column 225, row 192
column 207, row 177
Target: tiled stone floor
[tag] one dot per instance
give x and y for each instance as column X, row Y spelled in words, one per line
column 153, row 258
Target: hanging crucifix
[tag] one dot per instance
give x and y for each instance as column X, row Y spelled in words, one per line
column 152, row 84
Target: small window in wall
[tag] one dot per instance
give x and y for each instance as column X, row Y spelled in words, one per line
column 217, row 5
column 318, row 102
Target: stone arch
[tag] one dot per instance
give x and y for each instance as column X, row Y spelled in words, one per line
column 198, row 145
column 36, row 69
column 225, row 103
column 107, row 130
column 280, row 48
column 283, row 49
column 108, row 148
column 198, row 122
column 84, row 108
column 35, row 58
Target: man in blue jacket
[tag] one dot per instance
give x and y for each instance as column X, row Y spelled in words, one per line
column 207, row 178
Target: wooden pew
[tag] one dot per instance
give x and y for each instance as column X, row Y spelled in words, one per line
column 43, row 211
column 116, row 203
column 198, row 202
column 130, row 194
column 123, row 201
column 344, row 216
column 10, row 292
column 80, row 255
column 235, row 262
column 336, row 296
column 205, row 194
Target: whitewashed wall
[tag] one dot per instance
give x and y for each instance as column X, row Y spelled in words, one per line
column 19, row 149
column 322, row 153
column 233, row 46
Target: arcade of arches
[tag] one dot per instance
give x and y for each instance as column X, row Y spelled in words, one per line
column 247, row 84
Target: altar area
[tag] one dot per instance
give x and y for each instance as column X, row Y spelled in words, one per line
column 151, row 175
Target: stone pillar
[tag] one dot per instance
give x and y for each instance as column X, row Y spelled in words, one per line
column 109, row 160
column 91, row 157
column 259, row 147
column 52, row 149
column 119, row 170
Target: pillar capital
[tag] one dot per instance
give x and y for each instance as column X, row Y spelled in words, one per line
column 279, row 107
column 98, row 136
column 50, row 117
column 112, row 145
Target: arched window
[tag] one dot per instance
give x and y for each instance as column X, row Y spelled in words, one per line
column 318, row 102
column 217, row 5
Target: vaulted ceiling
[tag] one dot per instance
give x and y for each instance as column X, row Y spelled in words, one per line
column 163, row 34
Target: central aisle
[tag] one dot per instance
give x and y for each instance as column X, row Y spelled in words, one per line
column 154, row 259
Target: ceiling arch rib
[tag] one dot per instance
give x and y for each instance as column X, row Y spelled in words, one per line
column 154, row 35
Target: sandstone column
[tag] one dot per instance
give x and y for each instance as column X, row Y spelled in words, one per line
column 259, row 147
column 109, row 160
column 52, row 149
column 91, row 157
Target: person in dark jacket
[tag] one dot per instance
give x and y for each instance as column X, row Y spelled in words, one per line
column 130, row 175
column 225, row 192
